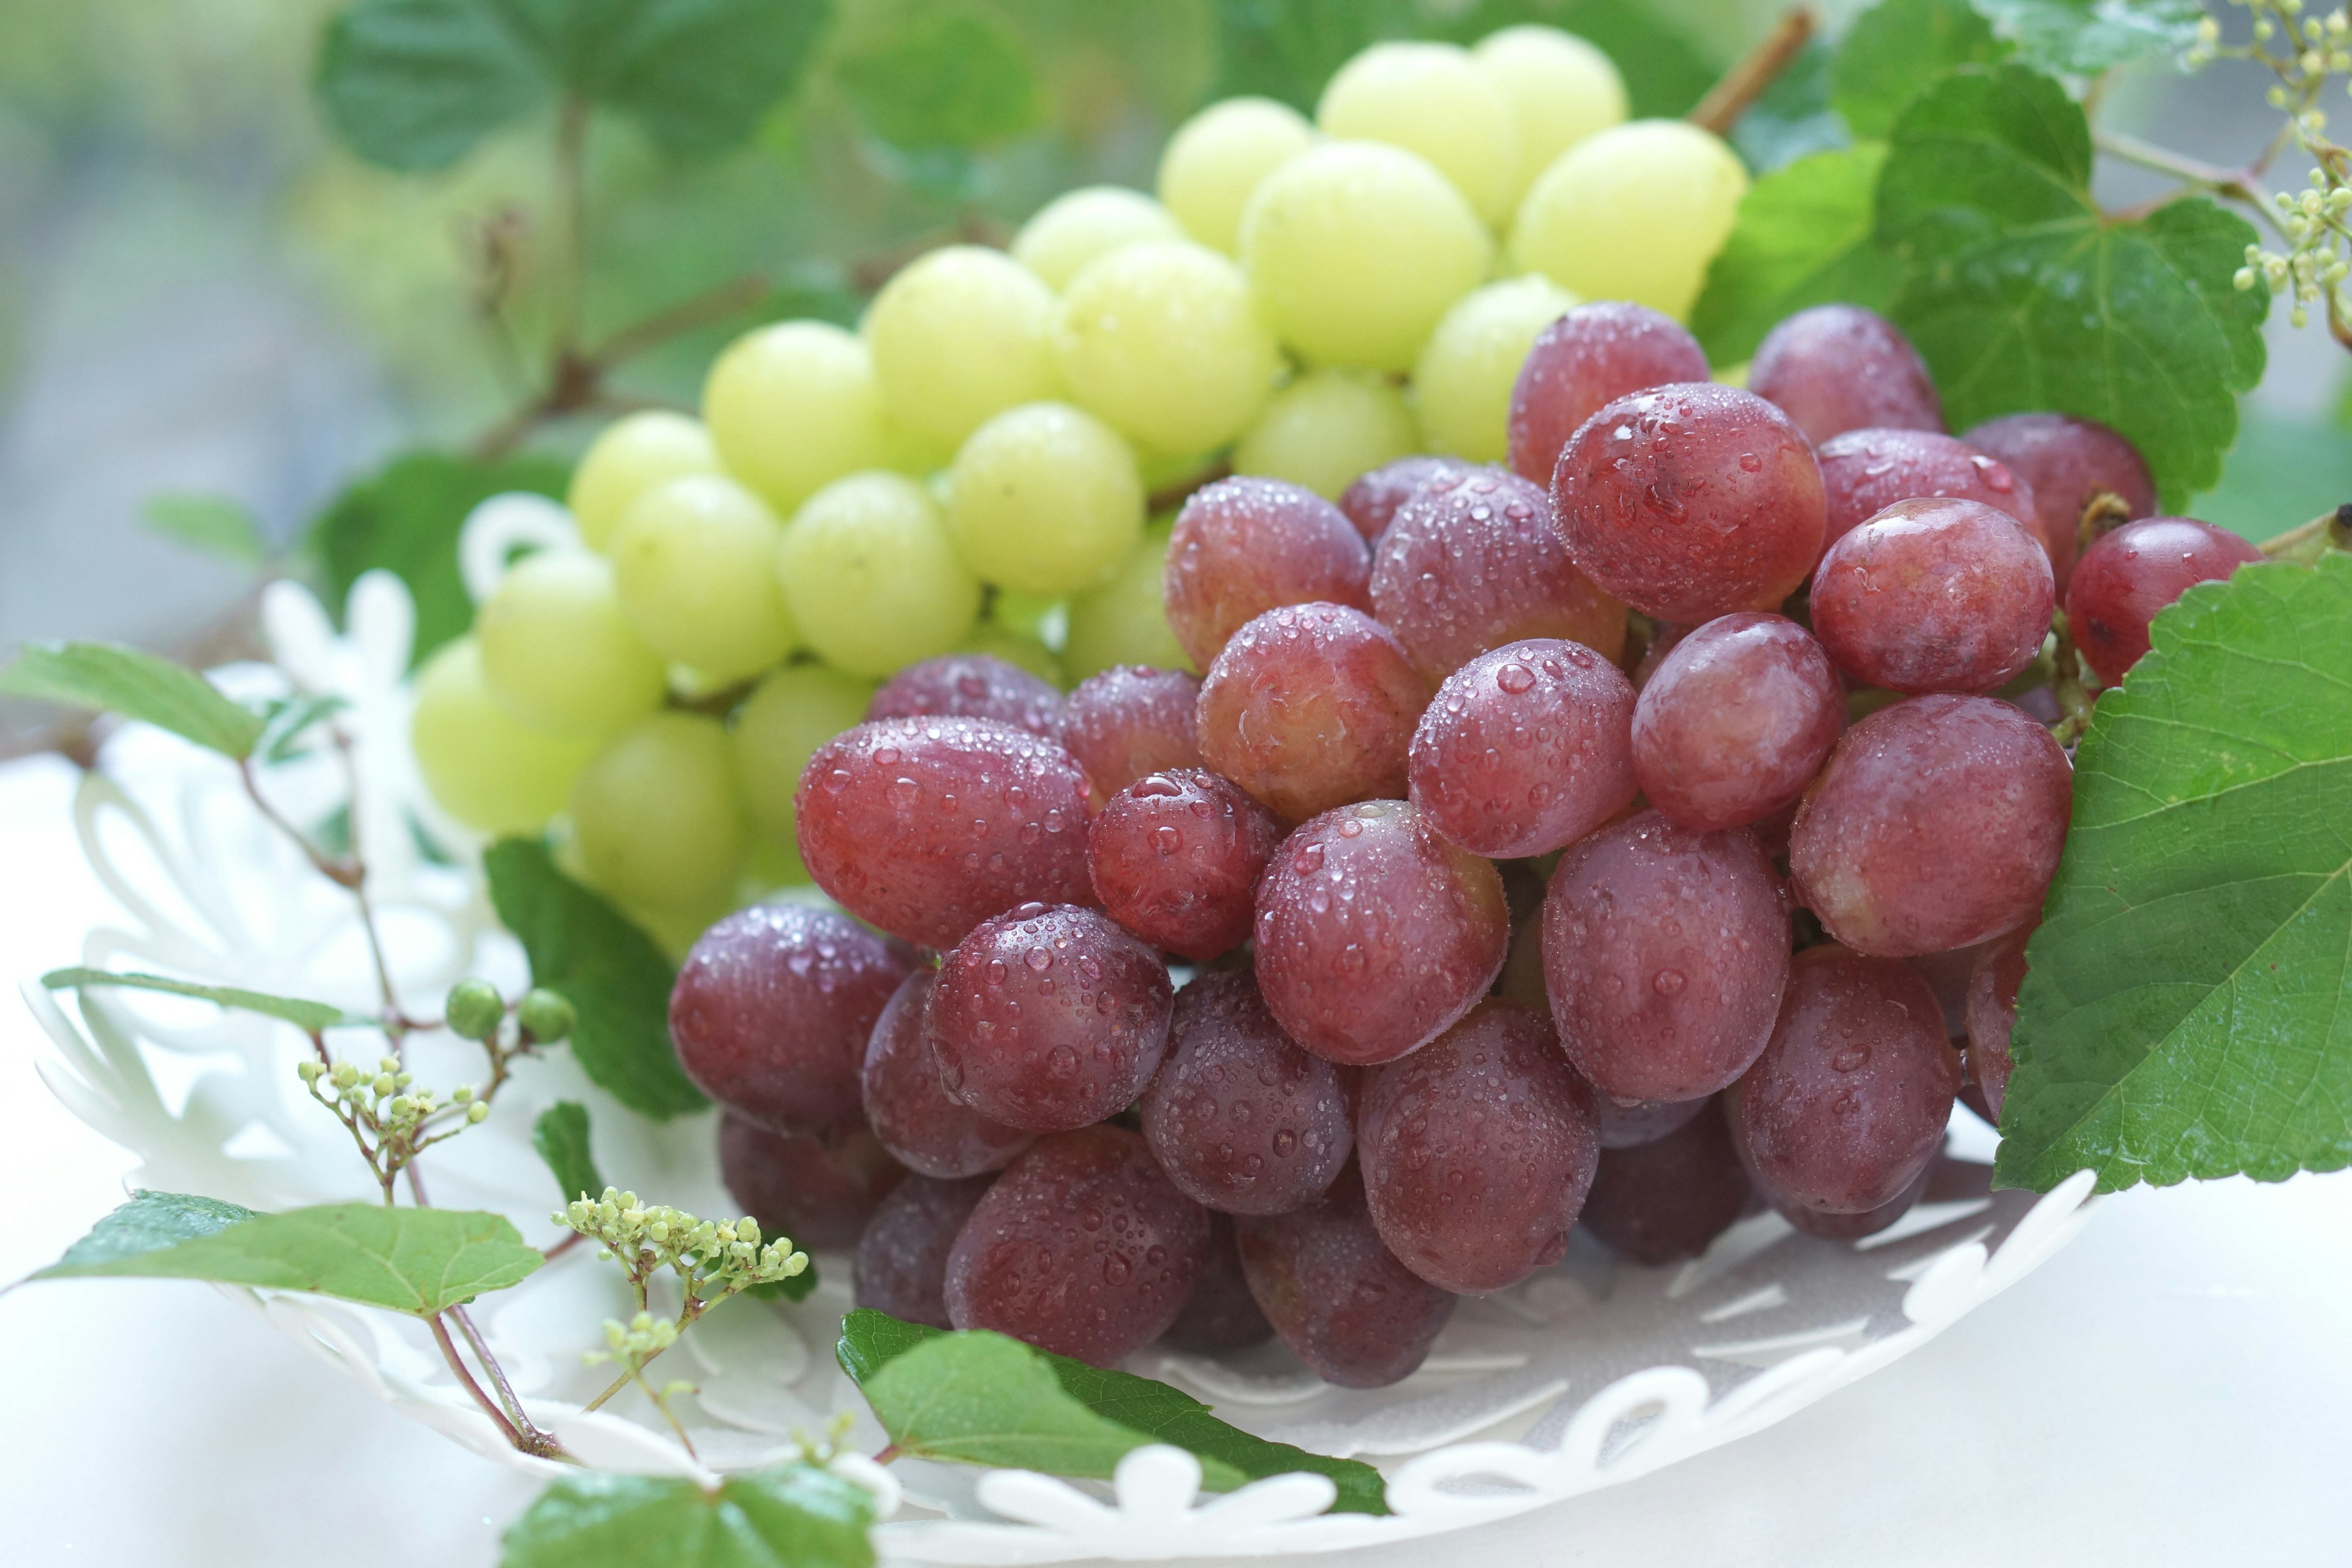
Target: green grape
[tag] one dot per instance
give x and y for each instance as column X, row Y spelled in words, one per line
column 658, row 815
column 1164, row 341
column 780, row 726
column 1122, row 622
column 871, row 576
column 559, row 652
column 1462, row 387
column 792, row 407
column 1558, row 89
column 1356, row 249
column 694, row 563
column 483, row 767
column 1030, row 616
column 1216, row 159
column 1017, row 649
column 633, row 454
column 1633, row 212
column 1045, row 498
column 958, row 336
column 1081, row 225
column 1328, row 427
column 1431, row 99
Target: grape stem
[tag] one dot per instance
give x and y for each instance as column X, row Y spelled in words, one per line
column 1746, row 80
column 2308, row 542
column 2237, row 185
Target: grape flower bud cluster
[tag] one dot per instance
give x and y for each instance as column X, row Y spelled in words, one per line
column 715, row 1258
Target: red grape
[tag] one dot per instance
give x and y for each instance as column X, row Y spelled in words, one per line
column 1735, row 721
column 1374, row 934
column 1864, row 472
column 1936, row 823
column 1048, row 1018
column 1847, row 1105
column 1309, row 707
column 771, row 1010
column 910, row 1107
column 1240, row 1119
column 1854, row 1227
column 1629, row 1124
column 1222, row 1315
column 1934, row 595
column 1836, row 368
column 970, row 686
column 926, row 826
column 1665, row 1199
column 1665, row 951
column 1243, row 546
column 1594, row 354
column 2068, row 461
column 1691, row 501
column 1991, row 1017
column 1524, row 748
column 819, row 1193
column 902, row 1258
column 1477, row 1151
column 1372, row 500
column 2130, row 574
column 1474, row 562
column 1176, row 857
column 1665, row 636
column 1946, row 974
column 1082, row 1248
column 1129, row 722
column 1335, row 1293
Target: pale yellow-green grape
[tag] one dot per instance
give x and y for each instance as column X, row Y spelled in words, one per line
column 1431, row 99
column 1462, row 387
column 1031, row 616
column 1355, row 248
column 773, row 863
column 695, row 562
column 1216, row 159
column 485, row 768
column 1122, row 621
column 1017, row 648
column 1633, row 212
column 1560, row 90
column 1045, row 498
column 780, row 726
column 916, row 456
column 1328, row 427
column 559, row 652
column 958, row 336
column 1078, row 226
column 793, row 406
column 1165, row 341
column 633, row 454
column 871, row 576
column 658, row 815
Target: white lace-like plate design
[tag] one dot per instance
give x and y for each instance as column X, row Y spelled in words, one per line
column 1591, row 1372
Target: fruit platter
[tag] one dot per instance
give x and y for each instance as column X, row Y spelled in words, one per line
column 1477, row 797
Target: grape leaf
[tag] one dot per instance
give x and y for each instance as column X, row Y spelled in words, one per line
column 117, row 680
column 2084, row 37
column 420, row 1261
column 214, row 524
column 980, row 1398
column 2023, row 294
column 1803, row 237
column 2184, row 1009
column 151, row 1222
column 794, row 1516
column 1287, row 49
column 1665, row 71
column 413, row 84
column 611, row 972
column 1794, row 118
column 561, row 1136
column 949, row 75
column 1896, row 47
column 312, row 1016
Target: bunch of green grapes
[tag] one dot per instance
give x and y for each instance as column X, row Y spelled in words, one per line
column 973, row 467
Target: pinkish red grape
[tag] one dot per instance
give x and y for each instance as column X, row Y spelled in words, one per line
column 1946, row 974
column 1691, row 501
column 1240, row 1119
column 771, row 1010
column 1854, row 1227
column 1836, row 368
column 2130, row 576
column 1309, row 707
column 1243, row 546
column 1847, row 1105
column 1129, row 722
column 1594, row 354
column 902, row 1258
column 1176, row 857
column 2068, row 462
column 970, row 686
column 1629, row 1124
column 1864, row 472
column 1223, row 1315
column 1524, row 748
column 1665, row 1199
column 1735, row 721
column 1991, row 1016
column 1665, row 951
column 1936, row 823
column 1048, row 1018
column 1934, row 595
column 820, row 1193
column 1082, row 1248
column 1335, row 1293
column 1374, row 934
column 1477, row 1151
column 926, row 826
column 910, row 1107
column 1373, row 500
column 1664, row 637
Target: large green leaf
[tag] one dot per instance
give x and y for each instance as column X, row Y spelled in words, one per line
column 2184, row 1009
column 947, row 76
column 794, row 1516
column 151, row 1222
column 2084, row 37
column 310, row 1016
column 1895, row 48
column 1288, row 48
column 611, row 972
column 1803, row 239
column 115, row 680
column 413, row 84
column 2023, row 295
column 561, row 1136
column 421, row 1261
column 1794, row 118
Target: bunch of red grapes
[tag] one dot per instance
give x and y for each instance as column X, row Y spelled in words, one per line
column 1500, row 910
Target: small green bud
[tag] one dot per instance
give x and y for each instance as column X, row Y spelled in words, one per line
column 477, row 1113
column 307, row 1071
column 545, row 1015
column 346, row 1075
column 474, row 1009
column 383, row 1085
